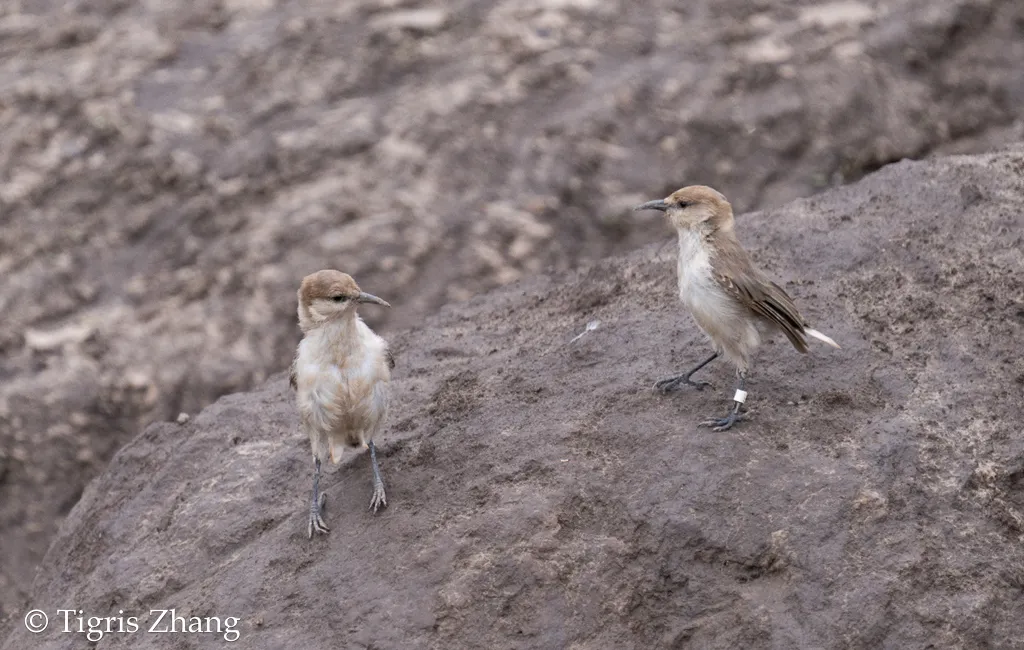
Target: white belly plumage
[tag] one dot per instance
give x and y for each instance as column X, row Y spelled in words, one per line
column 716, row 313
column 342, row 406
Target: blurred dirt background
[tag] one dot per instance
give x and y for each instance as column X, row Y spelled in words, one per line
column 170, row 170
column 542, row 495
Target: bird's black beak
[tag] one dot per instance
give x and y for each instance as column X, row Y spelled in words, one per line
column 652, row 205
column 369, row 297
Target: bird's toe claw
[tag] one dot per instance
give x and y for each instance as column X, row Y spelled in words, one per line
column 316, row 520
column 722, row 424
column 317, row 524
column 667, row 385
column 717, row 424
column 379, row 499
column 672, row 383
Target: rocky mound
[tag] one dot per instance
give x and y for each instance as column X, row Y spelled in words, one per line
column 543, row 496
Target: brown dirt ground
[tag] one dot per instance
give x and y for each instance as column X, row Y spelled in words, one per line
column 542, row 495
column 168, row 171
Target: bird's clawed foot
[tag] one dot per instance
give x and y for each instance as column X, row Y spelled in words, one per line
column 672, row 383
column 316, row 520
column 379, row 499
column 723, row 424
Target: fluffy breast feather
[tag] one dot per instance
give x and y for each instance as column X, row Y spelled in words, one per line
column 697, row 287
column 716, row 313
column 342, row 385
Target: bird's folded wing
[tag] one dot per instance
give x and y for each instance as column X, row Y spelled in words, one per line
column 293, row 380
column 764, row 297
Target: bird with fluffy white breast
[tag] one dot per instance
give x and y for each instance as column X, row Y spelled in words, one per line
column 341, row 375
column 733, row 302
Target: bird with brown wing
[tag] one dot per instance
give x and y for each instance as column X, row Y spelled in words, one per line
column 733, row 302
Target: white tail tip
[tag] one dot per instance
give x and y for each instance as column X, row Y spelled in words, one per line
column 821, row 337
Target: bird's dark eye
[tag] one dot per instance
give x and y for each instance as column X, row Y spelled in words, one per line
column 339, row 298
column 684, row 204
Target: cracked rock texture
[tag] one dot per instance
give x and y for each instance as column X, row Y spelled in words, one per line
column 170, row 170
column 542, row 495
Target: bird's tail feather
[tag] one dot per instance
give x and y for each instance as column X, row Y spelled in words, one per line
column 821, row 337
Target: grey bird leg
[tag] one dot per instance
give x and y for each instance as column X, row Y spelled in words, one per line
column 379, row 498
column 723, row 424
column 316, row 505
column 666, row 385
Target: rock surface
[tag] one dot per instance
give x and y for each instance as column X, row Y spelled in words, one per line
column 170, row 170
column 543, row 496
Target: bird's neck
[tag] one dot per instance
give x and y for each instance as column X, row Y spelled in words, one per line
column 706, row 237
column 342, row 332
column 694, row 263
column 694, row 243
column 702, row 251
